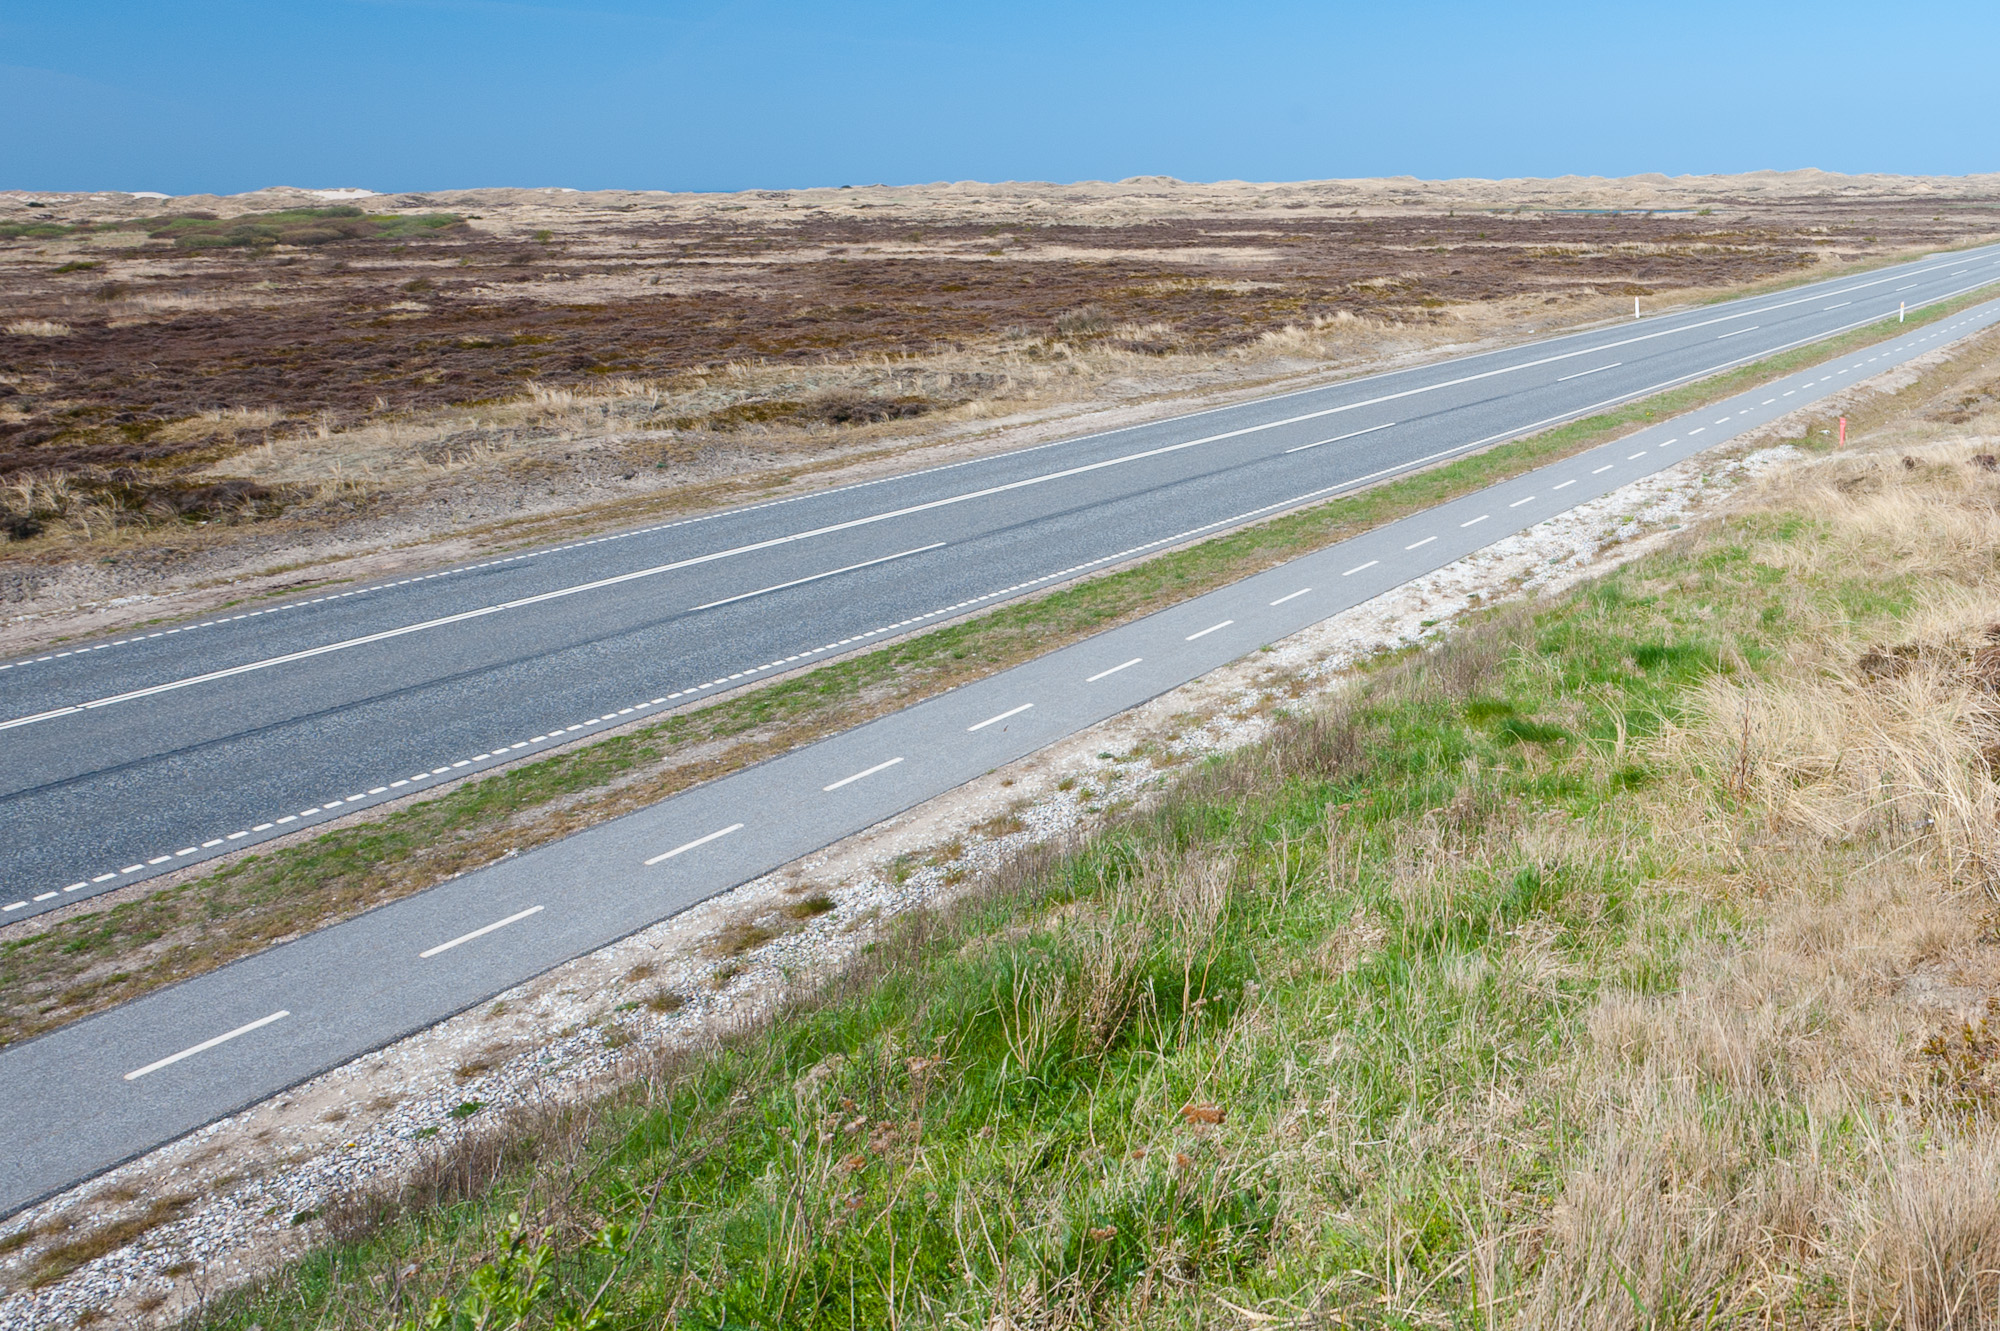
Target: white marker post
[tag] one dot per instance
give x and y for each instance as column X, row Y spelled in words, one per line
column 1902, row 307
column 1635, row 307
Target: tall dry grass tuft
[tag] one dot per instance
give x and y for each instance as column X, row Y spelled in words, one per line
column 1865, row 739
column 1784, row 1139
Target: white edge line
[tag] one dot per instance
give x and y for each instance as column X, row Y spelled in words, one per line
column 206, row 1045
column 698, row 841
column 846, row 780
column 476, row 933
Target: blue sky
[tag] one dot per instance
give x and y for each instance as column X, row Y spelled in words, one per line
column 734, row 94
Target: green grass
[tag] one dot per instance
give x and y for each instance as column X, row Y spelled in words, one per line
column 88, row 963
column 39, row 230
column 292, row 226
column 1296, row 1039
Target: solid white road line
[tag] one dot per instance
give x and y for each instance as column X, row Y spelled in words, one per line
column 830, row 573
column 1210, row 629
column 480, row 933
column 698, row 841
column 206, row 1045
column 1563, row 379
column 846, row 780
column 1340, row 437
column 992, row 720
column 1114, row 669
column 1292, row 596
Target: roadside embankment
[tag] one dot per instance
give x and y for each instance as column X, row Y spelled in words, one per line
column 1625, row 956
column 1628, row 951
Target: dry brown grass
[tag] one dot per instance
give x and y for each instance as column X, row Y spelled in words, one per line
column 1806, row 1129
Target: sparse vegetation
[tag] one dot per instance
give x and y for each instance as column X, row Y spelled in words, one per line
column 292, row 226
column 60, row 1259
column 454, row 363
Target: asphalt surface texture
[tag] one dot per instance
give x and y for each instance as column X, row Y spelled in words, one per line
column 91, row 1095
column 143, row 754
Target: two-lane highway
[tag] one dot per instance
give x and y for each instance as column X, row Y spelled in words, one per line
column 143, row 754
column 110, row 1087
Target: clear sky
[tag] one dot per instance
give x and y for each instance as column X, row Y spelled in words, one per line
column 391, row 95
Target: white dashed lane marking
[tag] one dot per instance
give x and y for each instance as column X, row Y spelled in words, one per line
column 481, row 932
column 698, row 841
column 206, row 1045
column 850, row 780
column 996, row 720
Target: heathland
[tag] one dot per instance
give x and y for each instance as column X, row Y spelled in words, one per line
column 268, row 390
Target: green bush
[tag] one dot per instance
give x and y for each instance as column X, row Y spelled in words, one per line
column 293, row 226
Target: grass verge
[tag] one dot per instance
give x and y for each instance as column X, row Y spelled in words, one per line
column 89, row 962
column 1620, row 963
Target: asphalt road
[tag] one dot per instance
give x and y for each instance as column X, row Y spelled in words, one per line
column 143, row 754
column 84, row 1098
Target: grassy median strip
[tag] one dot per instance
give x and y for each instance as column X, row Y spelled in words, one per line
column 66, row 971
column 1618, row 963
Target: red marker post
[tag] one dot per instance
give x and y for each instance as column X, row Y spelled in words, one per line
column 1843, row 432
